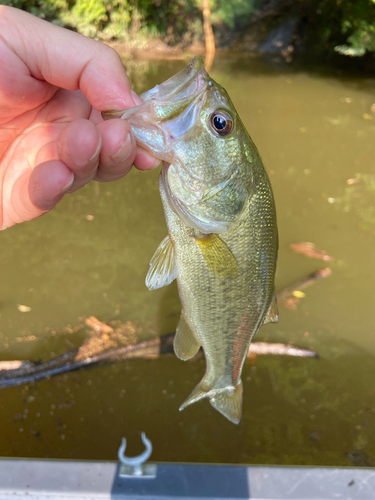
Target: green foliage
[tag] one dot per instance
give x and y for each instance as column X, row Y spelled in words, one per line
column 346, row 26
column 45, row 9
column 100, row 18
column 87, row 16
column 360, row 41
column 234, row 13
column 177, row 20
column 174, row 19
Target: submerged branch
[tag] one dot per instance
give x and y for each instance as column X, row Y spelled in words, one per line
column 107, row 344
column 262, row 348
column 24, row 372
column 303, row 283
column 29, row 372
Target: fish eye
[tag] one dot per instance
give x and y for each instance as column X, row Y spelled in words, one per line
column 221, row 122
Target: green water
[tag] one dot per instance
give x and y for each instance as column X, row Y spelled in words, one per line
column 314, row 131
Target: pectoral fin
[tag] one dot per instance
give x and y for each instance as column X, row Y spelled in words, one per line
column 162, row 266
column 217, row 255
column 185, row 344
column 272, row 315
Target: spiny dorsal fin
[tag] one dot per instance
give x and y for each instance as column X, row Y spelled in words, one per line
column 272, row 315
column 185, row 344
column 162, row 267
column 217, row 255
column 229, row 404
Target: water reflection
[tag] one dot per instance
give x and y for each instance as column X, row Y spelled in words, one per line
column 90, row 257
column 359, row 197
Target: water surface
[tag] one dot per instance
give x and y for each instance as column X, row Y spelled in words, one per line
column 90, row 256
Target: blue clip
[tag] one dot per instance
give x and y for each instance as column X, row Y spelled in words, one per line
column 135, row 466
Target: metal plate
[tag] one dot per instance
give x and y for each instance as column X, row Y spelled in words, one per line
column 145, row 471
column 80, row 480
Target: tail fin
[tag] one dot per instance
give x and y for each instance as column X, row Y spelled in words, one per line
column 199, row 392
column 228, row 403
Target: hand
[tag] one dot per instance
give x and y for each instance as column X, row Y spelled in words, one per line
column 53, row 85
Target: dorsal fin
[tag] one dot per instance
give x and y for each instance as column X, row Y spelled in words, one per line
column 162, row 266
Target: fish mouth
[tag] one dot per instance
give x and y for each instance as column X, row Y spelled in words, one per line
column 184, row 87
column 191, row 80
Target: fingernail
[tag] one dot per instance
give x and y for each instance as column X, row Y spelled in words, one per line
column 68, row 185
column 156, row 163
column 124, row 152
column 136, row 98
column 97, row 151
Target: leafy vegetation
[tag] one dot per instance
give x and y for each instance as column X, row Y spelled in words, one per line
column 234, row 14
column 46, row 9
column 343, row 26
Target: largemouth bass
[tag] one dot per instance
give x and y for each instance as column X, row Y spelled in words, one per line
column 222, row 234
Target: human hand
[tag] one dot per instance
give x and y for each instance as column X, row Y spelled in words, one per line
column 53, row 85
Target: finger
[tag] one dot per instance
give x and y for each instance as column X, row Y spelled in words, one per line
column 18, row 88
column 95, row 116
column 117, row 152
column 37, row 191
column 78, row 146
column 65, row 107
column 144, row 160
column 49, row 181
column 67, row 59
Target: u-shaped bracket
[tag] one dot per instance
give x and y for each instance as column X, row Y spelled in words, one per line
column 135, row 466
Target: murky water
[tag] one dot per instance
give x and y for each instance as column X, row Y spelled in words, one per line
column 90, row 257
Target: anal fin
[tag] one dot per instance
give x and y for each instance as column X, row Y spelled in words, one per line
column 272, row 315
column 162, row 266
column 185, row 343
column 229, row 404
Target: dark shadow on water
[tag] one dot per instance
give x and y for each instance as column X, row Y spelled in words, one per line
column 169, row 310
column 349, row 71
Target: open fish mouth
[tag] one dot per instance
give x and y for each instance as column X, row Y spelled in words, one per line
column 185, row 83
column 179, row 90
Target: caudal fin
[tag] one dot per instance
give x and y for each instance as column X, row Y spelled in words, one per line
column 199, row 392
column 228, row 403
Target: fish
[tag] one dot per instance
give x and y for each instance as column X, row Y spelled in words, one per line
column 222, row 236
